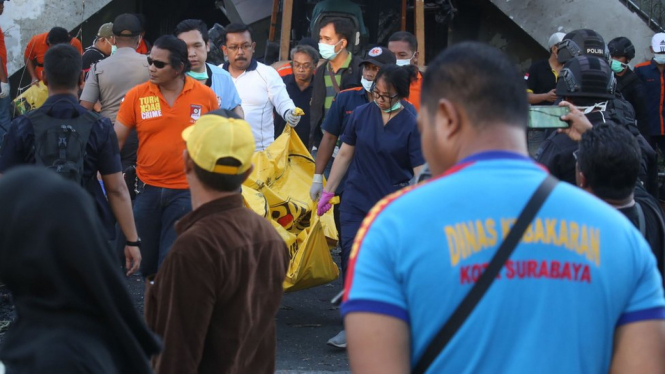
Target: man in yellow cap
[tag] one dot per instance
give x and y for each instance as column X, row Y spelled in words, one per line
column 215, row 297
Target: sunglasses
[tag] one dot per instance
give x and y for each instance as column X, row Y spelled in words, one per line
column 158, row 64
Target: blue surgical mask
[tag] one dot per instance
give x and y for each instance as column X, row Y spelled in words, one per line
column 367, row 85
column 327, row 51
column 617, row 66
column 113, row 49
column 198, row 76
column 393, row 108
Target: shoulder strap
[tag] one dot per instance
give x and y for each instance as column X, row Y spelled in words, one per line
column 640, row 219
column 468, row 304
column 333, row 78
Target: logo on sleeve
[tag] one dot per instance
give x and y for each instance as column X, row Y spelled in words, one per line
column 150, row 107
column 195, row 112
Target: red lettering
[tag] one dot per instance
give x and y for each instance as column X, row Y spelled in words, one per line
column 521, row 269
column 576, row 269
column 543, row 270
column 464, row 275
column 586, row 274
column 510, row 271
column 533, row 267
column 476, row 271
column 554, row 271
column 566, row 271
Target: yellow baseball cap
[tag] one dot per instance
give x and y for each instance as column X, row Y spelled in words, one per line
column 214, row 137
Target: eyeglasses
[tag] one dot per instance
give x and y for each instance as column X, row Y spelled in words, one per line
column 235, row 48
column 158, row 64
column 305, row 66
column 384, row 97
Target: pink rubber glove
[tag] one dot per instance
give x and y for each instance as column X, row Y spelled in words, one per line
column 324, row 202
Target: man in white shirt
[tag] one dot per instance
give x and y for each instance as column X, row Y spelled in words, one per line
column 260, row 87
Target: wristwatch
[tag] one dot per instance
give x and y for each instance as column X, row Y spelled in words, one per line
column 137, row 243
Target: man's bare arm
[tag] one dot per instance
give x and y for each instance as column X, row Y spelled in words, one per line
column 639, row 347
column 121, row 132
column 238, row 110
column 377, row 344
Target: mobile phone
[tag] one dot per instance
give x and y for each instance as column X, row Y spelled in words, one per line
column 547, row 117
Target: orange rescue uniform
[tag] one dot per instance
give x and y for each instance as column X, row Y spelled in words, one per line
column 159, row 127
column 414, row 91
column 37, row 48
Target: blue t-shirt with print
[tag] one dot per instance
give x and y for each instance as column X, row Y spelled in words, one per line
column 581, row 270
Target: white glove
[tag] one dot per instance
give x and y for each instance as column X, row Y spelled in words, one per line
column 317, row 187
column 4, row 87
column 291, row 118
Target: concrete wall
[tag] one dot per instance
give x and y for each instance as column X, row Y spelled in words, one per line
column 480, row 20
column 23, row 19
column 610, row 18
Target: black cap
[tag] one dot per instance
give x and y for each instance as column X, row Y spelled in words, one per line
column 586, row 76
column 583, row 42
column 126, row 25
column 58, row 35
column 621, row 47
column 379, row 56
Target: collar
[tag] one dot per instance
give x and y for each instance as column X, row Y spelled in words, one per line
column 346, row 64
column 209, row 70
column 126, row 51
column 59, row 97
column 494, row 155
column 252, row 65
column 212, row 207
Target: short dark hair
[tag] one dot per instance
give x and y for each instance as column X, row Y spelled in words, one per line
column 399, row 77
column 405, row 36
column 62, row 66
column 177, row 49
column 58, row 35
column 191, row 25
column 220, row 182
column 237, row 28
column 216, row 181
column 482, row 80
column 308, row 51
column 609, row 157
column 343, row 28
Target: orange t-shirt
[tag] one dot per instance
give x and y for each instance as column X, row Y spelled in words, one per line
column 3, row 51
column 159, row 127
column 414, row 91
column 143, row 47
column 37, row 48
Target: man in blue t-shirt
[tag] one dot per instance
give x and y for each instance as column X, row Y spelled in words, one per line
column 194, row 33
column 580, row 293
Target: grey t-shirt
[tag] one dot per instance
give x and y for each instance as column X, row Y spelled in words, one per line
column 108, row 82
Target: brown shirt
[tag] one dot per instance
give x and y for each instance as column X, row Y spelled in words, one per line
column 215, row 298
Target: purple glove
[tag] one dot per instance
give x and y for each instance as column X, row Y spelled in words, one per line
column 324, row 203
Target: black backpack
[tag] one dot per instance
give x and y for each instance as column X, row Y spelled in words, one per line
column 60, row 144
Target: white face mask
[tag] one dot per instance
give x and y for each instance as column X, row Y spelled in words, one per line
column 405, row 62
column 659, row 58
column 598, row 106
column 366, row 84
